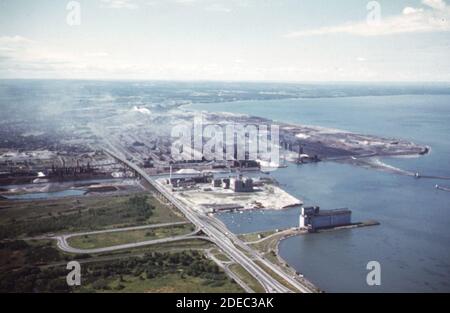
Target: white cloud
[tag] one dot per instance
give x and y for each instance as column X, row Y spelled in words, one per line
column 23, row 57
column 409, row 10
column 186, row 1
column 435, row 4
column 13, row 46
column 217, row 7
column 14, row 41
column 224, row 6
column 412, row 20
column 96, row 54
column 119, row 4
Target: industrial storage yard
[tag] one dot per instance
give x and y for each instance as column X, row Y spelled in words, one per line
column 215, row 196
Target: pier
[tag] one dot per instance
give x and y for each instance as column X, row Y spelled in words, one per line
column 443, row 188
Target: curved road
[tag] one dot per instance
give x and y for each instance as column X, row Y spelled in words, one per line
column 116, row 230
column 64, row 245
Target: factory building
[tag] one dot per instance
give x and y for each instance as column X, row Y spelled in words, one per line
column 190, row 178
column 240, row 184
column 216, row 182
column 312, row 218
column 186, row 180
column 226, row 183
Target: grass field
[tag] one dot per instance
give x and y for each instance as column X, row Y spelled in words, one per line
column 118, row 238
column 182, row 271
column 37, row 266
column 32, row 218
column 185, row 245
column 219, row 255
column 275, row 276
column 247, row 278
column 255, row 236
column 170, row 283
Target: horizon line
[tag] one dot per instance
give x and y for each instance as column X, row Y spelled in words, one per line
column 232, row 81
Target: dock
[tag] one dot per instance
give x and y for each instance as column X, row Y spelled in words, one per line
column 352, row 225
column 443, row 188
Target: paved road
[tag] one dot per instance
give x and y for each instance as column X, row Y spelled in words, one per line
column 116, row 230
column 286, row 231
column 64, row 245
column 224, row 267
column 257, row 257
column 223, row 238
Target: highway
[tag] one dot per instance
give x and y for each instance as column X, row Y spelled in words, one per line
column 256, row 256
column 223, row 238
column 224, row 267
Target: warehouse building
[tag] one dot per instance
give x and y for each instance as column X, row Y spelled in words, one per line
column 313, row 219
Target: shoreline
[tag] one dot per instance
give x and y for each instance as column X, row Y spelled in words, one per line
column 268, row 246
column 299, row 232
column 183, row 105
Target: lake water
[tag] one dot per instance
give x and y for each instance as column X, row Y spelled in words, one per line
column 412, row 244
column 47, row 195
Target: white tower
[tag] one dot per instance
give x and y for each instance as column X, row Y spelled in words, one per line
column 302, row 218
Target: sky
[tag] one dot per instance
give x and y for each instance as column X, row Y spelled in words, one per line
column 227, row 40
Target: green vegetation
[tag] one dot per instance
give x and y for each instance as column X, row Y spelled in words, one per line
column 159, row 272
column 247, row 278
column 32, row 218
column 185, row 245
column 34, row 279
column 219, row 255
column 141, row 206
column 255, row 236
column 38, row 266
column 184, row 271
column 270, row 243
column 275, row 276
column 268, row 248
column 118, row 238
column 17, row 254
column 19, row 267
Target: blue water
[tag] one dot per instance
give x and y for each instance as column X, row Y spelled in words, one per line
column 47, row 195
column 412, row 243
